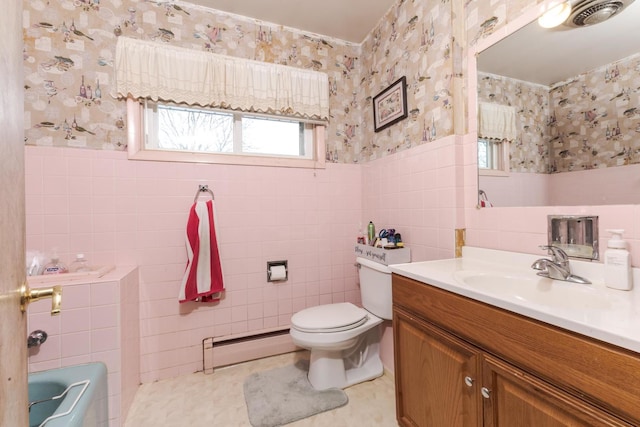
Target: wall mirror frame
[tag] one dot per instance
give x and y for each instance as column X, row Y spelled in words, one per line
column 615, row 184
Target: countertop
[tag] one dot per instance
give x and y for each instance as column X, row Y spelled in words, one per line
column 615, row 318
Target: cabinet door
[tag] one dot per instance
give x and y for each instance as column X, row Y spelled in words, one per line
column 515, row 398
column 436, row 376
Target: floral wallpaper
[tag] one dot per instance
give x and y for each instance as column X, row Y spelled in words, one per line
column 413, row 40
column 70, row 46
column 595, row 118
column 590, row 121
column 530, row 151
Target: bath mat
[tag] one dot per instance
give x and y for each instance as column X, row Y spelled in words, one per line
column 283, row 395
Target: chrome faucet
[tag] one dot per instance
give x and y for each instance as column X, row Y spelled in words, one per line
column 557, row 267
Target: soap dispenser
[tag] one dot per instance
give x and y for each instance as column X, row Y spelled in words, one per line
column 617, row 263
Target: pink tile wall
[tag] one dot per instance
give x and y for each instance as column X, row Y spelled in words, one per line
column 118, row 211
column 416, row 192
column 612, row 185
column 519, row 189
column 95, row 325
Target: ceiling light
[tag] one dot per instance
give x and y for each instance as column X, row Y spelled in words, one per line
column 555, row 16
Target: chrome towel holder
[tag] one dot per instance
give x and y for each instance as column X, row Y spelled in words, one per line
column 203, row 189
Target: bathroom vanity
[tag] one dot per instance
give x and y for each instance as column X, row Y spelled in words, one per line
column 467, row 355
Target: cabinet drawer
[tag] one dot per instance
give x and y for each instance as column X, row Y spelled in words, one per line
column 605, row 375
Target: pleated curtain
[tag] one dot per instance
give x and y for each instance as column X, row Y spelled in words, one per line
column 496, row 121
column 155, row 71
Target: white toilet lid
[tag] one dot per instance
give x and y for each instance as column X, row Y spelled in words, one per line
column 329, row 318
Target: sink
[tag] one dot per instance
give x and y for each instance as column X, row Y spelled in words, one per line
column 534, row 289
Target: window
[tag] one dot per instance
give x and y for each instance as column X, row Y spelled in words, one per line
column 177, row 128
column 493, row 157
column 168, row 131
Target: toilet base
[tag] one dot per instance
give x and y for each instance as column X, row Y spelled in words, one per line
column 344, row 368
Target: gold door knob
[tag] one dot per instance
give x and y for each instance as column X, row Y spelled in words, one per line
column 29, row 295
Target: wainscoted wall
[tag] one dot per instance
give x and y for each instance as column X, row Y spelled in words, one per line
column 415, row 191
column 118, row 211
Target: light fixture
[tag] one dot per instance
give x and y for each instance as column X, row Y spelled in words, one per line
column 555, row 16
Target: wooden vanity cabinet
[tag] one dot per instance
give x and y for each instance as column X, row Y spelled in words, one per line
column 460, row 362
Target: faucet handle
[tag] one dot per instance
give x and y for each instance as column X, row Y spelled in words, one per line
column 559, row 256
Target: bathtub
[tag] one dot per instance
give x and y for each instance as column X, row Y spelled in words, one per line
column 83, row 400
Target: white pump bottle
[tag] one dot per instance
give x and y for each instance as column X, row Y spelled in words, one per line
column 617, row 263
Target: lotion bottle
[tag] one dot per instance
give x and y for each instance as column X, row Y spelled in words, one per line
column 617, row 263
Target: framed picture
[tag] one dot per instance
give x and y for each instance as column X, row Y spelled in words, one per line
column 390, row 105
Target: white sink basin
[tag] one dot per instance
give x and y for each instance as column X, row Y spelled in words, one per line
column 534, row 289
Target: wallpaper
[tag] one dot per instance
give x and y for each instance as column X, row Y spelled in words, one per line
column 70, row 46
column 413, row 40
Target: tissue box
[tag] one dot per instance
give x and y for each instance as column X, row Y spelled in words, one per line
column 383, row 256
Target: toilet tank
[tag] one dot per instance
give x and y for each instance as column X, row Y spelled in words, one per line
column 375, row 287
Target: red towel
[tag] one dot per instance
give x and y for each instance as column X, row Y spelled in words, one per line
column 202, row 279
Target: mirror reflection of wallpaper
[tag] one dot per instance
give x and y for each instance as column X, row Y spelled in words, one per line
column 70, row 47
column 595, row 118
column 530, row 151
column 590, row 121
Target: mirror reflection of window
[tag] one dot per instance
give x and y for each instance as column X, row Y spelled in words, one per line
column 491, row 154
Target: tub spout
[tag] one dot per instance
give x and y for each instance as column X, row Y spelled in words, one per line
column 29, row 295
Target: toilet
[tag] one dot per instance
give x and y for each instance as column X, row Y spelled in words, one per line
column 344, row 339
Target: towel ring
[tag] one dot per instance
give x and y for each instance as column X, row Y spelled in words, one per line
column 203, row 189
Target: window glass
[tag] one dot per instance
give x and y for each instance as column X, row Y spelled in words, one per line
column 170, row 127
column 189, row 129
column 270, row 136
column 492, row 154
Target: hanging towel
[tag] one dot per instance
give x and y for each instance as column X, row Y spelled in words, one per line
column 202, row 279
column 484, row 200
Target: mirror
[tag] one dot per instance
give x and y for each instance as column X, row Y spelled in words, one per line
column 576, row 93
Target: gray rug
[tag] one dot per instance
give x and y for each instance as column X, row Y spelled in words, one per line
column 283, row 395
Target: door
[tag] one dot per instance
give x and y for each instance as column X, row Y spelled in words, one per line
column 515, row 398
column 436, row 376
column 13, row 331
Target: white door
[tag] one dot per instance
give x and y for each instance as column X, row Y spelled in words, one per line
column 13, row 330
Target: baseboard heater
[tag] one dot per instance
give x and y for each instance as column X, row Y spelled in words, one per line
column 233, row 349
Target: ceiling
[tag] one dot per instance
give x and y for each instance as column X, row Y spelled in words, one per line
column 349, row 20
column 550, row 56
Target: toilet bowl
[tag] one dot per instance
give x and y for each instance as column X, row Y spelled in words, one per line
column 344, row 339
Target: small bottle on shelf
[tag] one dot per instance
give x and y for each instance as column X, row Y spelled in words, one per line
column 80, row 264
column 55, row 266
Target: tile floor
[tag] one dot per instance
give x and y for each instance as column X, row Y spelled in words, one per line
column 217, row 400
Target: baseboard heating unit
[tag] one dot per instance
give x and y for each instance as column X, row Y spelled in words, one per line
column 232, row 349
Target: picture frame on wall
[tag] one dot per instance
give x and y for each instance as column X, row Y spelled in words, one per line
column 390, row 105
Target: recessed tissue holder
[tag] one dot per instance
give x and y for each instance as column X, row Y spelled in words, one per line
column 576, row 235
column 277, row 271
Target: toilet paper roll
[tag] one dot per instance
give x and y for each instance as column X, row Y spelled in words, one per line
column 278, row 272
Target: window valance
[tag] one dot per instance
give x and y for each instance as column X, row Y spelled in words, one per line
column 148, row 70
column 496, row 121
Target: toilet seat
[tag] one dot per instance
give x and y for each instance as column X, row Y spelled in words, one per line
column 329, row 318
